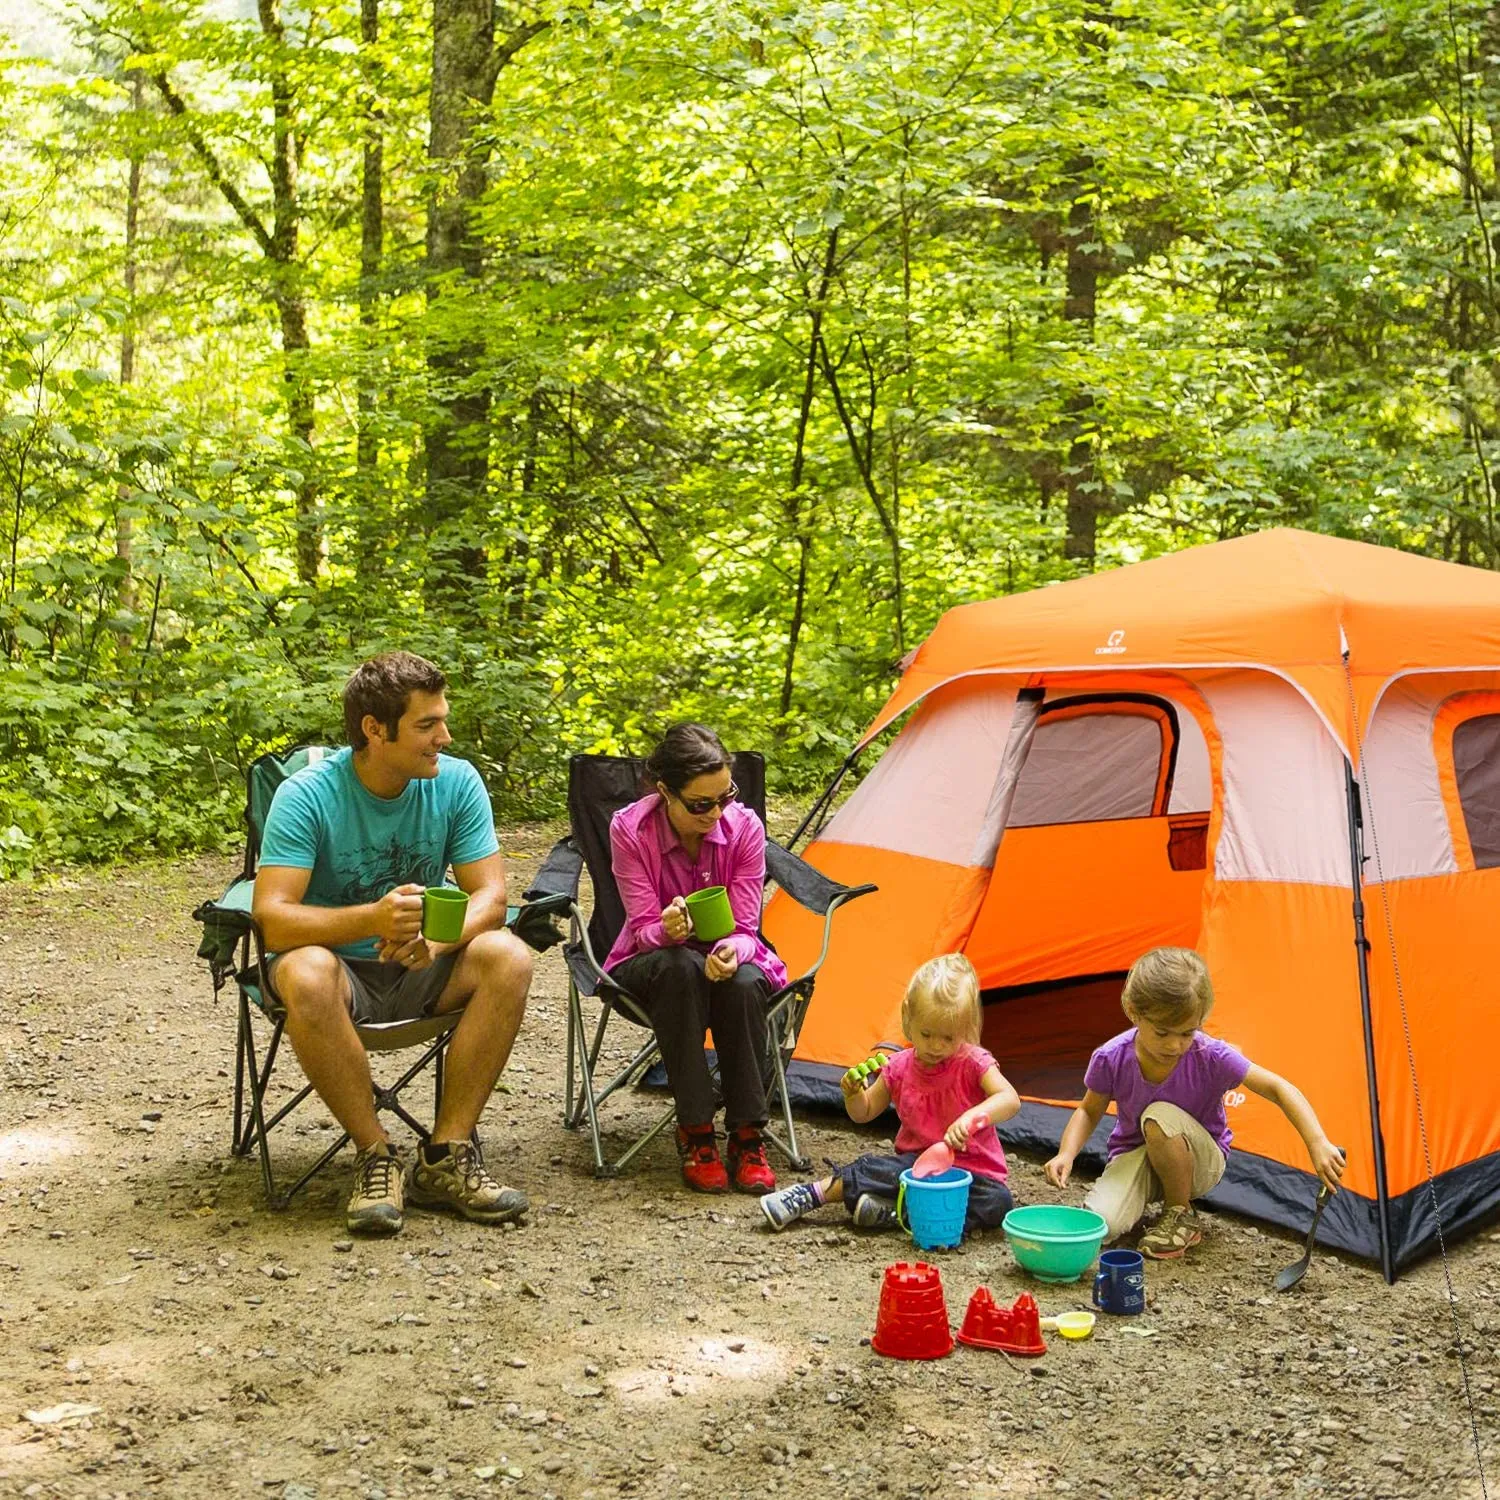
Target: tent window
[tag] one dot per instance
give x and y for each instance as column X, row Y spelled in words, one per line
column 1096, row 760
column 1476, row 768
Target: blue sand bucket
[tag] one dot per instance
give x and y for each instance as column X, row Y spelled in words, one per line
column 934, row 1207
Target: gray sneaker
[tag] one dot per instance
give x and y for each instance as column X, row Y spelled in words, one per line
column 459, row 1184
column 379, row 1183
column 874, row 1212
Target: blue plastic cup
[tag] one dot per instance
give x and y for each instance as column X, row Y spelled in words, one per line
column 932, row 1208
column 1120, row 1285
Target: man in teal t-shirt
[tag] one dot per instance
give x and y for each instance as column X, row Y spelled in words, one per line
column 350, row 843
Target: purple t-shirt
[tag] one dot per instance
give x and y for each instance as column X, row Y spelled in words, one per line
column 1204, row 1073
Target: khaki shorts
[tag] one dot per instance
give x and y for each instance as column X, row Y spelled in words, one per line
column 1129, row 1184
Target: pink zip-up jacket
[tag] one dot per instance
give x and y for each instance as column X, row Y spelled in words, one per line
column 651, row 868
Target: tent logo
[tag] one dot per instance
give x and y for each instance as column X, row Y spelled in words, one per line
column 1114, row 646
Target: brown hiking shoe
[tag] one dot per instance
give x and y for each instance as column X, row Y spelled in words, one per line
column 458, row 1183
column 1173, row 1235
column 375, row 1205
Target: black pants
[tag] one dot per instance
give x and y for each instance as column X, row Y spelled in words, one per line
column 675, row 992
column 989, row 1199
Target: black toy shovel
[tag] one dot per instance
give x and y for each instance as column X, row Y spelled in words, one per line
column 1289, row 1276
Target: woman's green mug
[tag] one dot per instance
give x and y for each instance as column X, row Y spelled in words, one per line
column 444, row 908
column 709, row 914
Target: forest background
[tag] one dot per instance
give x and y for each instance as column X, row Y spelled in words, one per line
column 638, row 361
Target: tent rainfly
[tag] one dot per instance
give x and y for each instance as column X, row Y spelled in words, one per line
column 1282, row 750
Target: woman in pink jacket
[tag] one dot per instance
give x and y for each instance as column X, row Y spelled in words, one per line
column 686, row 833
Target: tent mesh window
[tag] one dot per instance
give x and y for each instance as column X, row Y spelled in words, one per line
column 1476, row 767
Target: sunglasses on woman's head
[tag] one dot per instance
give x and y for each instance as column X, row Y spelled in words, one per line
column 700, row 805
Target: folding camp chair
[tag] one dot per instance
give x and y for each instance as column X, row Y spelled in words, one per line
column 235, row 948
column 598, row 787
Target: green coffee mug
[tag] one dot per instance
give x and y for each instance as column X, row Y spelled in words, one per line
column 709, row 914
column 444, row 908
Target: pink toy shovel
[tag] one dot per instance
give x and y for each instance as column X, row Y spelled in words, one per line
column 938, row 1157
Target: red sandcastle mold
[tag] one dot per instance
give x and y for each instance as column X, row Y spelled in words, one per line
column 913, row 1319
column 1015, row 1330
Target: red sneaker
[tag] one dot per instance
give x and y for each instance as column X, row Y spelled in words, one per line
column 747, row 1161
column 701, row 1168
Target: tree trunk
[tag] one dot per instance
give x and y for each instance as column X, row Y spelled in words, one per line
column 288, row 294
column 1080, row 305
column 124, row 527
column 466, row 61
column 801, row 530
column 371, row 250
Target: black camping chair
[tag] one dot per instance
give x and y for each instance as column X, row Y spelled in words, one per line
column 598, row 787
column 235, row 948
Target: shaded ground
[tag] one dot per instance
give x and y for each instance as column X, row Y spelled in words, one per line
column 632, row 1338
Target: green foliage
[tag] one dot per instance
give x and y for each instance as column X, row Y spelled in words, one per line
column 779, row 331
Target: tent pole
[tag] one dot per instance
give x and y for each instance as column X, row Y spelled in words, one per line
column 1362, row 950
column 821, row 804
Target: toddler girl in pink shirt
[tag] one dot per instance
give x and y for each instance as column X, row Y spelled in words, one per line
column 944, row 1087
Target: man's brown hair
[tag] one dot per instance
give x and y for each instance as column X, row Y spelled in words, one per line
column 382, row 687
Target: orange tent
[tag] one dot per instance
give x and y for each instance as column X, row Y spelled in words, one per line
column 1199, row 750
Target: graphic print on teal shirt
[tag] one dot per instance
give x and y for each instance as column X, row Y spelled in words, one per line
column 358, row 846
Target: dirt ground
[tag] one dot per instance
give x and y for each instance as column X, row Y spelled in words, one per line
column 631, row 1338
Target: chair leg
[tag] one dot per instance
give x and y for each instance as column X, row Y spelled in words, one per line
column 585, row 1104
column 237, row 1144
column 784, row 1019
column 667, row 1119
column 258, row 1078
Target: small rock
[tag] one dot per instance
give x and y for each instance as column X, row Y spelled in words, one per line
column 153, row 1115
column 528, row 1290
column 591, row 1370
column 736, row 1346
column 583, row 1392
column 343, row 1246
column 461, row 1403
column 552, row 1466
column 516, row 1362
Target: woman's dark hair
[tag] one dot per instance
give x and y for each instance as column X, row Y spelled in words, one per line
column 382, row 687
column 685, row 751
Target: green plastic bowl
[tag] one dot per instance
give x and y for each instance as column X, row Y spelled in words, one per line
column 1053, row 1242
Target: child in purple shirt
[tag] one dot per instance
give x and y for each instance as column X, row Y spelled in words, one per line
column 1167, row 1081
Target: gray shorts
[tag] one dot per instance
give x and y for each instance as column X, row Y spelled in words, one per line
column 383, row 992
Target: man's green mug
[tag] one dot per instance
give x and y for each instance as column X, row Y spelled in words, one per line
column 709, row 914
column 444, row 908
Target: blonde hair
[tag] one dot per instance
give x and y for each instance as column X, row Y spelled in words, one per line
column 948, row 986
column 1170, row 987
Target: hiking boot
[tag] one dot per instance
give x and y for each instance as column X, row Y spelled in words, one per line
column 458, row 1183
column 790, row 1204
column 874, row 1212
column 1173, row 1235
column 747, row 1161
column 375, row 1205
column 701, row 1168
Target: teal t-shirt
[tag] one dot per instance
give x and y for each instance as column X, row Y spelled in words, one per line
column 358, row 846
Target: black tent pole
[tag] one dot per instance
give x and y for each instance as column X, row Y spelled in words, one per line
column 1362, row 950
column 822, row 803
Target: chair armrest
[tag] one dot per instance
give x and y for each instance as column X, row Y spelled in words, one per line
column 806, row 886
column 533, row 923
column 560, row 874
